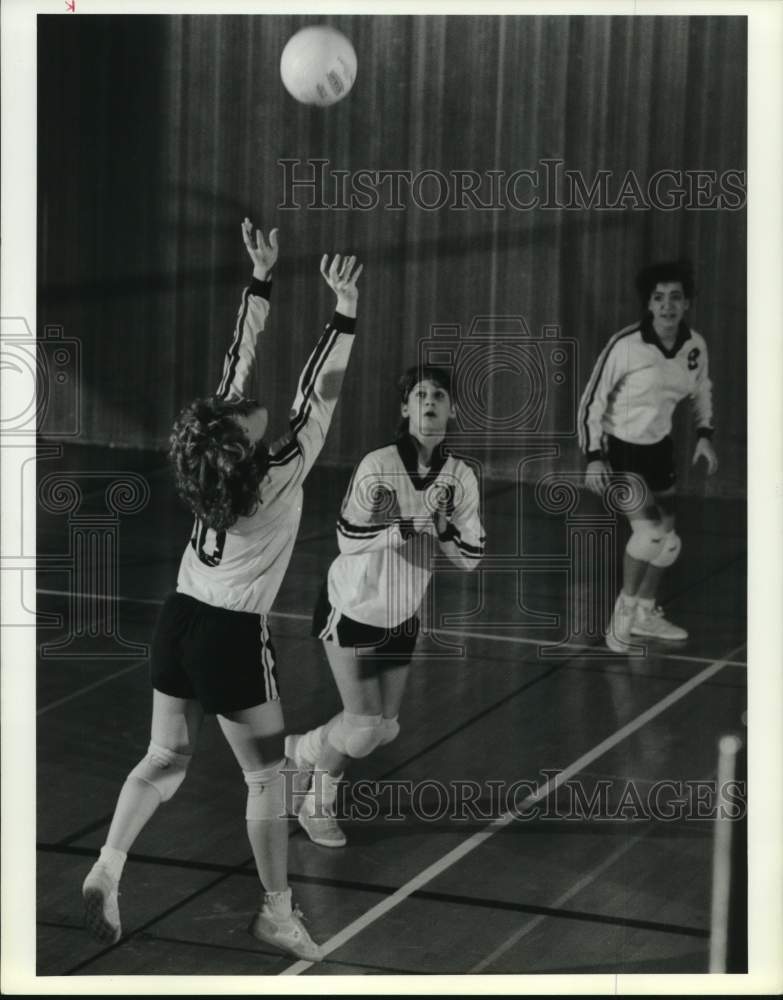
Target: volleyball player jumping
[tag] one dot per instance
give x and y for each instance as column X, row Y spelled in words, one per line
column 625, row 420
column 212, row 652
column 404, row 502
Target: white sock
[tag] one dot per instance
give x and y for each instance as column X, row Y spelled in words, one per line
column 629, row 602
column 309, row 747
column 113, row 861
column 322, row 794
column 279, row 902
column 330, row 787
column 646, row 603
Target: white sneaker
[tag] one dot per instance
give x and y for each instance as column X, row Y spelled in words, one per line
column 101, row 906
column 618, row 635
column 322, row 829
column 316, row 817
column 287, row 933
column 652, row 623
column 304, row 772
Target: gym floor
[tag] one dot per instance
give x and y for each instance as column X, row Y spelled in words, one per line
column 437, row 877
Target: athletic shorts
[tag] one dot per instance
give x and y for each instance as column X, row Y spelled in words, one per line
column 224, row 659
column 394, row 646
column 654, row 463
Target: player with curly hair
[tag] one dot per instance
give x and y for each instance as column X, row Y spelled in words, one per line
column 212, row 652
column 625, row 421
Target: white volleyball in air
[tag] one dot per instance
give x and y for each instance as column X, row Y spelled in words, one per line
column 318, row 65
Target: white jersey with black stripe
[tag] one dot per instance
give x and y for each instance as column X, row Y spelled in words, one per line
column 241, row 569
column 637, row 383
column 382, row 573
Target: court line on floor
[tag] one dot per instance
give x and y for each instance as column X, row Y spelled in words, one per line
column 349, row 885
column 453, row 633
column 90, row 687
column 466, row 847
column 561, row 900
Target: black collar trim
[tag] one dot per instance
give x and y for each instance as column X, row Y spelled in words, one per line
column 649, row 336
column 409, row 455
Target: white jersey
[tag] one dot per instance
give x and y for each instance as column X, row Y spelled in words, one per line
column 241, row 569
column 637, row 383
column 380, row 576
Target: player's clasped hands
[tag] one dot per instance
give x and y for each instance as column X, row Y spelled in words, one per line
column 597, row 476
column 262, row 253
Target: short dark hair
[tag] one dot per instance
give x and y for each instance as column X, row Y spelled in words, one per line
column 422, row 373
column 218, row 470
column 664, row 273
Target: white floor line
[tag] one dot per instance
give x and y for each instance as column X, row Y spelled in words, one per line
column 90, row 687
column 452, row 857
column 491, row 637
column 568, row 895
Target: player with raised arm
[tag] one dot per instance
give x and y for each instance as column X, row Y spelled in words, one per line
column 404, row 501
column 212, row 652
column 625, row 421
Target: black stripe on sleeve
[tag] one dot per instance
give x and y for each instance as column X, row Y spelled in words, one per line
column 358, row 530
column 596, row 377
column 232, row 356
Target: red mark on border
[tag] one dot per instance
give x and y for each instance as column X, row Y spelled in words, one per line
column 71, row 5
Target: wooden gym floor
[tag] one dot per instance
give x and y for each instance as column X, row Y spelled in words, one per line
column 437, row 880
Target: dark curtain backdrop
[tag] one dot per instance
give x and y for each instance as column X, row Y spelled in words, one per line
column 158, row 134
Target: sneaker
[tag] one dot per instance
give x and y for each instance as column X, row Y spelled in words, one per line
column 652, row 623
column 322, row 829
column 618, row 635
column 304, row 772
column 101, row 908
column 287, row 933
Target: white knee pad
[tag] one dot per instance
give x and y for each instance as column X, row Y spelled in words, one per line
column 672, row 545
column 266, row 792
column 356, row 735
column 162, row 768
column 390, row 730
column 646, row 541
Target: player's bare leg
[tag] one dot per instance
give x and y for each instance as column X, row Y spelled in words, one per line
column 255, row 735
column 175, row 726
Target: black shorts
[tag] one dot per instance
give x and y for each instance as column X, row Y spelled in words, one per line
column 654, row 463
column 393, row 646
column 224, row 659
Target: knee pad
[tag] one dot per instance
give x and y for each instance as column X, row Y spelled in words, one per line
column 390, row 730
column 672, row 545
column 356, row 735
column 266, row 792
column 162, row 768
column 646, row 541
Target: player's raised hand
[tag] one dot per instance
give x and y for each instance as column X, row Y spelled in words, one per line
column 341, row 276
column 262, row 253
column 705, row 450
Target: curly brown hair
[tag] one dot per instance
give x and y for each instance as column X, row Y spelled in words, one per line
column 218, row 470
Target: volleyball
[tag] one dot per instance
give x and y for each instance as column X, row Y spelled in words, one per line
column 318, row 65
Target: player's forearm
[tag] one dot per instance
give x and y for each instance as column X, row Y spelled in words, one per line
column 239, row 365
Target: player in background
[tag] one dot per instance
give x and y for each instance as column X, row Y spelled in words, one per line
column 212, row 652
column 404, row 501
column 625, row 419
